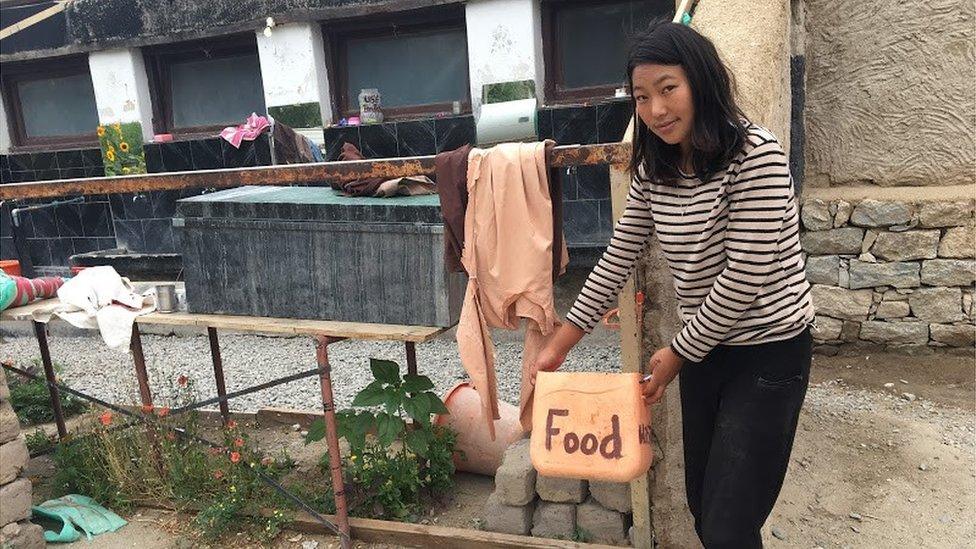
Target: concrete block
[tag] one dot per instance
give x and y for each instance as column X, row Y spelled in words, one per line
column 561, row 490
column 15, row 501
column 554, row 520
column 22, row 535
column 13, row 459
column 515, row 479
column 9, row 425
column 612, row 495
column 600, row 524
column 508, row 519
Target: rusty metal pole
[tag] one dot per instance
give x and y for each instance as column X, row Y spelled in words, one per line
column 145, row 394
column 218, row 367
column 40, row 331
column 411, row 358
column 332, row 439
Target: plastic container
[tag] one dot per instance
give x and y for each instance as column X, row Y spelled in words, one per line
column 590, row 425
column 10, row 266
column 475, row 452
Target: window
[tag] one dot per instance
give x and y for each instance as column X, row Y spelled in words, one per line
column 50, row 102
column 199, row 87
column 419, row 63
column 586, row 44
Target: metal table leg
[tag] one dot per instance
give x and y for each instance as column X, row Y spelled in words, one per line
column 411, row 358
column 40, row 331
column 218, row 366
column 142, row 376
column 332, row 438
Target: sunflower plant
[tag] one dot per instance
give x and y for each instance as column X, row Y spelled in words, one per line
column 121, row 145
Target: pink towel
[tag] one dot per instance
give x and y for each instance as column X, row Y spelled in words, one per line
column 250, row 130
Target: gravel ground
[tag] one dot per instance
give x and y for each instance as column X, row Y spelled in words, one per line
column 88, row 366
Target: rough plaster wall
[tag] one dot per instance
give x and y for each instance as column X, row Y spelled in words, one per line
column 4, row 129
column 293, row 66
column 753, row 38
column 121, row 87
column 890, row 92
column 501, row 43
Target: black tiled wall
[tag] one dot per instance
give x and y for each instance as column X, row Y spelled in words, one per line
column 405, row 138
column 587, row 211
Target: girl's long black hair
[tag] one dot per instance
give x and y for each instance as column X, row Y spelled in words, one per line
column 718, row 132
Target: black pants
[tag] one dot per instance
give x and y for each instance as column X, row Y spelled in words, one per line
column 740, row 407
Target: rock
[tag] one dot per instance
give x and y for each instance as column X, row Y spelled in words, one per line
column 959, row 243
column 9, row 425
column 870, row 275
column 907, row 245
column 889, row 385
column 923, row 467
column 905, row 226
column 843, row 214
column 296, row 427
column 815, row 215
column 515, row 479
column 310, row 544
column 915, row 333
column 949, row 272
column 826, row 328
column 4, row 389
column 603, row 525
column 910, row 397
column 945, row 214
column 777, row 533
column 13, row 459
column 875, row 213
column 508, row 519
column 870, row 237
column 892, row 309
column 953, row 335
column 967, row 304
column 554, row 520
column 826, row 350
column 612, row 495
column 937, row 304
column 22, row 535
column 867, row 257
column 841, row 303
column 823, row 269
column 16, row 498
column 850, row 331
column 561, row 490
column 846, row 240
column 844, row 280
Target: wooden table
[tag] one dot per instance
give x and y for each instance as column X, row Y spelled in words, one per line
column 323, row 332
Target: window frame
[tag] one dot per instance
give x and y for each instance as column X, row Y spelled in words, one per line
column 556, row 93
column 160, row 58
column 15, row 73
column 431, row 21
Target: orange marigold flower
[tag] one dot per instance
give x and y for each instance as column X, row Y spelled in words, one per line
column 239, row 442
column 147, row 408
column 218, row 474
column 231, row 424
column 182, row 381
column 163, row 412
column 106, row 418
column 235, row 457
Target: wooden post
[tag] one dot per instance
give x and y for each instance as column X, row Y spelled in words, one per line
column 631, row 343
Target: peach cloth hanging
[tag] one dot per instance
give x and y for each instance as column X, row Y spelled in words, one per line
column 508, row 237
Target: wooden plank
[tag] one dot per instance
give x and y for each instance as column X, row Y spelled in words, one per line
column 28, row 22
column 631, row 340
column 286, row 326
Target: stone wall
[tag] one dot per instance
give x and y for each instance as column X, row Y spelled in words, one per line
column 16, row 531
column 891, row 272
column 526, row 503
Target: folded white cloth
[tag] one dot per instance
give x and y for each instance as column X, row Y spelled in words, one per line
column 99, row 298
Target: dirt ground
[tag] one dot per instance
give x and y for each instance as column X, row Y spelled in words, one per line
column 884, row 457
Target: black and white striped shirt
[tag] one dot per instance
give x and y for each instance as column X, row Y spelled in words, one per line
column 732, row 245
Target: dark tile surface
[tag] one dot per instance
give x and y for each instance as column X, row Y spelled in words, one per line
column 378, row 140
column 176, row 156
column 137, row 206
column 92, row 158
column 129, row 234
column 39, row 250
column 61, row 250
column 6, row 176
column 164, row 203
column 567, row 179
column 20, row 162
column 544, row 123
column 206, row 154
column 158, row 236
column 47, row 175
column 96, row 219
column 7, row 248
column 238, row 157
column 84, row 245
column 70, row 159
column 262, row 151
column 69, row 220
column 73, row 173
column 95, row 171
column 416, row 138
column 46, row 160
column 154, row 158
column 117, row 205
column 574, row 125
column 453, row 132
column 593, row 182
column 612, row 119
column 44, row 223
column 335, row 137
column 581, row 222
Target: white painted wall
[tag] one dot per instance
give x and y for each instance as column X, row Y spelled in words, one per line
column 121, row 88
column 4, row 129
column 293, row 67
column 504, row 44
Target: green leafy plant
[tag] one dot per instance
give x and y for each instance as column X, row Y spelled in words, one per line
column 32, row 401
column 392, row 462
column 38, row 441
column 581, row 535
column 122, row 152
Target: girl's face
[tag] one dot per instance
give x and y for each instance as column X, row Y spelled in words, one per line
column 664, row 102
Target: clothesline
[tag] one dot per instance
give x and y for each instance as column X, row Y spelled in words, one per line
column 561, row 157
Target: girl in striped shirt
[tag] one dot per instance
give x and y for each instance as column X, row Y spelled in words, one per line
column 716, row 191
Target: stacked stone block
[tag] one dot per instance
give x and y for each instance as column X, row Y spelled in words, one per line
column 16, row 532
column 891, row 273
column 526, row 503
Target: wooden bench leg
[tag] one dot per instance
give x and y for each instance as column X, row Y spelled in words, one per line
column 40, row 332
column 332, row 439
column 218, row 367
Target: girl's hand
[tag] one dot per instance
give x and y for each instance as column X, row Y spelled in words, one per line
column 549, row 359
column 665, row 364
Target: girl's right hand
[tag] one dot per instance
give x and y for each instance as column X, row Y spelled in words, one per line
column 549, row 359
